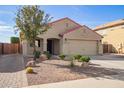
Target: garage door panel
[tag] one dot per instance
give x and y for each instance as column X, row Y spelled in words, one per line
column 82, row 47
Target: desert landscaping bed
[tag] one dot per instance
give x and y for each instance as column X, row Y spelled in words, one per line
column 51, row 71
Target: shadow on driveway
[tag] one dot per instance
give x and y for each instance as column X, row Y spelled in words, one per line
column 11, row 63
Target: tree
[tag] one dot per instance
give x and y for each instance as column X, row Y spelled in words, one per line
column 14, row 40
column 32, row 21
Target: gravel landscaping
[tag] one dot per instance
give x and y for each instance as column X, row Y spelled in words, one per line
column 51, row 71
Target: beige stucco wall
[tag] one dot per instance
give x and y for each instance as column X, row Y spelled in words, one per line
column 56, row 46
column 28, row 50
column 82, row 41
column 83, row 33
column 100, row 47
column 53, row 32
column 24, row 47
column 114, row 36
column 57, row 28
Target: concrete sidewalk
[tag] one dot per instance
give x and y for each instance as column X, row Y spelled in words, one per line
column 84, row 83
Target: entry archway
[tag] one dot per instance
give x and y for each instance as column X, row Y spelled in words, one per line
column 53, row 46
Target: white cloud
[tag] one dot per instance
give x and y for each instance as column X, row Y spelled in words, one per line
column 6, row 28
column 6, row 31
column 6, row 12
column 2, row 23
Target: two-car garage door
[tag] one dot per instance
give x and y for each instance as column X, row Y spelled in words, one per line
column 82, row 47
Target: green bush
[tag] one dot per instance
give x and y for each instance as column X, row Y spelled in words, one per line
column 37, row 54
column 47, row 54
column 62, row 56
column 72, row 62
column 77, row 57
column 84, row 59
column 14, row 40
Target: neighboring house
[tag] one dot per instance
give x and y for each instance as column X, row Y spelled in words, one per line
column 66, row 37
column 113, row 34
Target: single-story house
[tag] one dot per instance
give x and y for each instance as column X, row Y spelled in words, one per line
column 65, row 36
column 113, row 36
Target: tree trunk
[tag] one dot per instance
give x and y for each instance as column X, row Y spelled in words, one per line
column 34, row 50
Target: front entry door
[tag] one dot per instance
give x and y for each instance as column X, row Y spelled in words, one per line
column 49, row 46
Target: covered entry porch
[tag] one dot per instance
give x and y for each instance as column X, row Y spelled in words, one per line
column 53, row 46
column 43, row 44
column 50, row 44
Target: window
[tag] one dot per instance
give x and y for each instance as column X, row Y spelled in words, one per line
column 37, row 43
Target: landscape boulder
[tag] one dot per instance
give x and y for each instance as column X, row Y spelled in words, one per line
column 30, row 63
column 43, row 57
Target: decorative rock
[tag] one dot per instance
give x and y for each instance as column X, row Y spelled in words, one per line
column 55, row 57
column 85, row 64
column 30, row 63
column 37, row 60
column 43, row 57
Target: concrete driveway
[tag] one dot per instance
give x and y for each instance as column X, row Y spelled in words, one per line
column 112, row 62
column 12, row 72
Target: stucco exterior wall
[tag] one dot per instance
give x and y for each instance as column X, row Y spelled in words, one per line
column 82, row 33
column 57, row 28
column 114, row 36
column 28, row 50
column 53, row 33
column 99, row 47
column 82, row 41
column 56, row 46
column 24, row 47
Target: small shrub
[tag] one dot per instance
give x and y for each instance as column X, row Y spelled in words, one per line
column 72, row 62
column 47, row 54
column 84, row 59
column 62, row 56
column 77, row 57
column 29, row 70
column 37, row 54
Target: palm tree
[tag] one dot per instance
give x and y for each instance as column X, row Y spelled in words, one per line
column 32, row 21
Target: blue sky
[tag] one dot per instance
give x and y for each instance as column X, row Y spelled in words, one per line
column 91, row 16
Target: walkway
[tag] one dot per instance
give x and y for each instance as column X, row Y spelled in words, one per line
column 84, row 83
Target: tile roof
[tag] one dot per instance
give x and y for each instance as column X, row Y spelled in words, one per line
column 64, row 19
column 110, row 24
column 70, row 30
